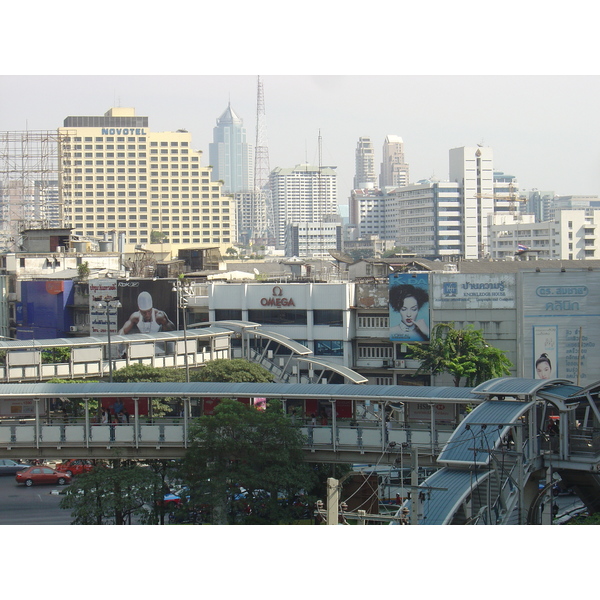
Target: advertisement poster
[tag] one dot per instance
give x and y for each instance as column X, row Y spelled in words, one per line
column 545, row 355
column 409, row 307
column 147, row 306
column 561, row 314
column 101, row 292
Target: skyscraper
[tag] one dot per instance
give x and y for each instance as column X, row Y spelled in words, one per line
column 303, row 194
column 365, row 177
column 394, row 170
column 230, row 155
column 473, row 169
column 119, row 176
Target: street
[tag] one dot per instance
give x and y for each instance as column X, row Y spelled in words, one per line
column 36, row 505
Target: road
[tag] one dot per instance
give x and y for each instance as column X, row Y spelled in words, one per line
column 36, row 505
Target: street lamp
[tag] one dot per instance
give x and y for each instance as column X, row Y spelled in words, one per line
column 107, row 303
column 184, row 292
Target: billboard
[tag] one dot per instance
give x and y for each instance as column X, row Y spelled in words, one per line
column 147, row 306
column 561, row 313
column 409, row 307
column 102, row 290
column 462, row 291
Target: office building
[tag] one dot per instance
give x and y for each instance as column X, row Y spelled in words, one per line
column 117, row 175
column 230, row 155
column 472, row 168
column 394, row 170
column 364, row 174
column 302, row 194
column 313, row 240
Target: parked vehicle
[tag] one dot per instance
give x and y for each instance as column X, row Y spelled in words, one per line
column 75, row 466
column 11, row 467
column 39, row 475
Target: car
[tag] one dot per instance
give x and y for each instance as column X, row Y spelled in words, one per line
column 75, row 466
column 11, row 467
column 40, row 474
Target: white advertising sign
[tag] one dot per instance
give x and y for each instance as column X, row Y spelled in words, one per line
column 455, row 290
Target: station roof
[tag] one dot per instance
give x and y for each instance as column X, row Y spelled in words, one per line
column 480, row 432
column 359, row 393
column 353, row 376
column 444, row 491
column 517, row 386
column 165, row 336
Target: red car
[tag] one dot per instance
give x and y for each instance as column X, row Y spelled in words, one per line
column 75, row 466
column 42, row 475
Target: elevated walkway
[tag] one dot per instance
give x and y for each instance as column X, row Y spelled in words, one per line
column 493, row 463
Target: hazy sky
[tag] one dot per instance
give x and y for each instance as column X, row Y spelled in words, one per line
column 500, row 89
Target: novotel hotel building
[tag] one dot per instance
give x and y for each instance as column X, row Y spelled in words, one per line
column 119, row 176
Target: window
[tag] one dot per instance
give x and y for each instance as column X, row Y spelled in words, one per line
column 329, row 348
column 333, row 318
column 278, row 317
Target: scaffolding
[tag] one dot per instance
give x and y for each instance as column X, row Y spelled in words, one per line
column 29, row 184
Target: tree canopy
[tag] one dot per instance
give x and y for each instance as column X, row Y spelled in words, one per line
column 463, row 353
column 112, row 496
column 236, row 370
column 246, row 465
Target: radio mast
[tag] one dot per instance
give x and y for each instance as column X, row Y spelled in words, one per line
column 263, row 207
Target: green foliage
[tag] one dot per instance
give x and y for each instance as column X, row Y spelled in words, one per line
column 83, row 270
column 361, row 253
column 246, row 465
column 60, row 354
column 463, row 353
column 139, row 373
column 235, row 370
column 111, row 496
column 586, row 520
column 156, row 237
column 75, row 407
column 395, row 250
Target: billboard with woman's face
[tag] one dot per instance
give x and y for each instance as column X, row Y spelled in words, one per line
column 409, row 307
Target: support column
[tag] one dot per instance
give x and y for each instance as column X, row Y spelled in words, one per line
column 86, row 435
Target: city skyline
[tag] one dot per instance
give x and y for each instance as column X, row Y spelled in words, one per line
column 544, row 130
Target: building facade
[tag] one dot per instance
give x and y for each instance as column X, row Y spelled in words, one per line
column 230, row 155
column 394, row 170
column 313, row 240
column 525, row 313
column 364, row 173
column 473, row 169
column 302, row 194
column 119, row 176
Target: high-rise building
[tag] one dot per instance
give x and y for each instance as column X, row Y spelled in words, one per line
column 426, row 219
column 230, row 155
column 472, row 168
column 118, row 176
column 394, row 170
column 365, row 177
column 302, row 194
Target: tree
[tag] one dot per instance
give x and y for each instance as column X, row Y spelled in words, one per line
column 108, row 496
column 141, row 373
column 463, row 353
column 83, row 270
column 236, row 370
column 246, row 465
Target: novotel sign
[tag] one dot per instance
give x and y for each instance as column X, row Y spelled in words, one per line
column 123, row 131
column 277, row 299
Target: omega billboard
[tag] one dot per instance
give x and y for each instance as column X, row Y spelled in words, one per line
column 561, row 315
